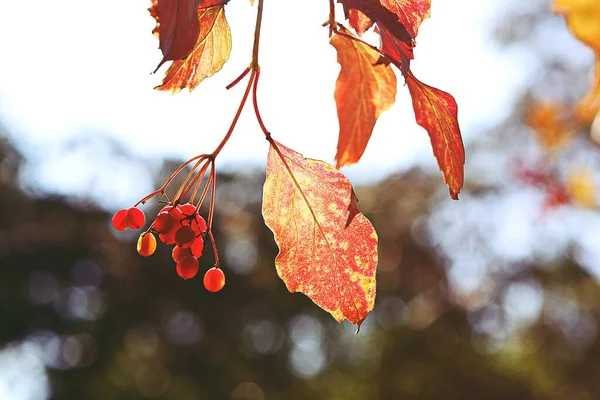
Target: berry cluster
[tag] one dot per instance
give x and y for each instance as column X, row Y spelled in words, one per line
column 178, row 225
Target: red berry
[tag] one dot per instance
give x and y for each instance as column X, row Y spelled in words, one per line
column 197, row 247
column 146, row 244
column 119, row 220
column 185, row 236
column 179, row 253
column 200, row 224
column 135, row 218
column 187, row 209
column 175, row 213
column 214, row 279
column 163, row 222
column 167, row 238
column 192, row 218
column 187, row 267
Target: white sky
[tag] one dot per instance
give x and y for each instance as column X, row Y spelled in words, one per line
column 70, row 67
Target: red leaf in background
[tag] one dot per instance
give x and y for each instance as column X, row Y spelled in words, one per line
column 437, row 112
column 177, row 27
column 211, row 51
column 327, row 248
column 410, row 13
column 364, row 89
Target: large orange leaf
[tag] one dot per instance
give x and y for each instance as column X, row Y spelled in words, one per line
column 583, row 19
column 437, row 112
column 209, row 54
column 364, row 89
column 177, row 27
column 327, row 248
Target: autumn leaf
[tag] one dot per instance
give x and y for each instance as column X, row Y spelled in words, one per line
column 375, row 11
column 359, row 21
column 583, row 19
column 398, row 52
column 177, row 27
column 364, row 89
column 437, row 112
column 208, row 56
column 410, row 13
column 327, row 248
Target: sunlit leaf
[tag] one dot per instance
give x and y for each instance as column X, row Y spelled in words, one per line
column 364, row 89
column 398, row 52
column 583, row 19
column 375, row 11
column 327, row 248
column 410, row 13
column 177, row 27
column 209, row 54
column 437, row 112
column 359, row 21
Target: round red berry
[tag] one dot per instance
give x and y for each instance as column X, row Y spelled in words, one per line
column 119, row 220
column 179, row 253
column 187, row 209
column 146, row 244
column 197, row 247
column 167, row 238
column 214, row 279
column 135, row 218
column 185, row 236
column 187, row 267
column 163, row 222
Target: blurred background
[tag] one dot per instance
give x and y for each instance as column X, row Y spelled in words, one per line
column 495, row 296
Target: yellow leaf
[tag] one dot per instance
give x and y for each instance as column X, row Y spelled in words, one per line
column 583, row 19
column 582, row 188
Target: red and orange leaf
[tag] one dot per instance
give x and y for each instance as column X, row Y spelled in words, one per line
column 359, row 21
column 410, row 12
column 376, row 12
column 437, row 112
column 177, row 27
column 364, row 89
column 398, row 52
column 327, row 248
column 209, row 54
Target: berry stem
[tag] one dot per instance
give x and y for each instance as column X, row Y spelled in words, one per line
column 204, row 192
column 181, row 193
column 211, row 208
column 215, row 153
column 254, row 65
column 255, row 104
column 238, row 79
column 214, row 245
